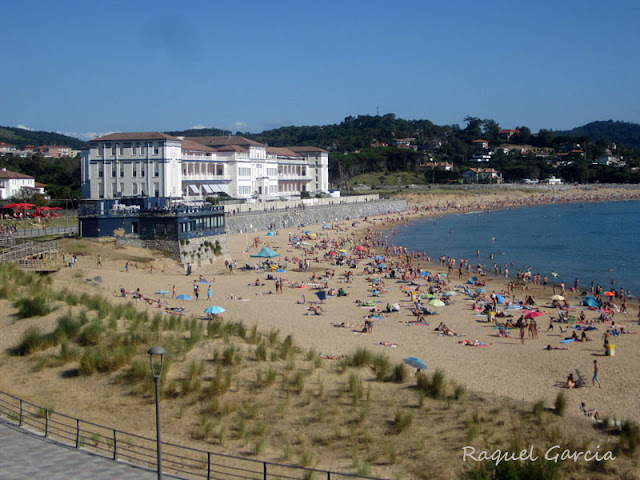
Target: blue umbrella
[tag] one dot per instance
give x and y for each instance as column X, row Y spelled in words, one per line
column 295, row 239
column 472, row 281
column 281, row 270
column 344, row 254
column 214, row 310
column 163, row 292
column 424, row 274
column 382, row 265
column 308, row 232
column 500, row 299
column 326, row 226
column 415, row 363
column 480, row 290
column 271, row 234
column 184, row 297
column 379, row 257
column 322, row 295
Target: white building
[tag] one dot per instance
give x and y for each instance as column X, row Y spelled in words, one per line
column 193, row 168
column 11, row 183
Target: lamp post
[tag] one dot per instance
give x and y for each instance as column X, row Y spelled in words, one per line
column 157, row 350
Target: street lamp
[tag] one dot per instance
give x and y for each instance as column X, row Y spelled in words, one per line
column 157, row 350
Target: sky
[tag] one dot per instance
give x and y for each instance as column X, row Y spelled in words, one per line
column 86, row 68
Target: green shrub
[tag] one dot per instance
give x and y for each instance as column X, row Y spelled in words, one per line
column 67, row 327
column 629, row 438
column 32, row 307
column 402, row 421
column 32, row 341
column 91, row 334
column 560, row 404
column 433, row 385
column 261, row 353
column 381, row 366
column 400, row 373
column 361, row 357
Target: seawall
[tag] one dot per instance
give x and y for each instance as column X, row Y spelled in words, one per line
column 294, row 217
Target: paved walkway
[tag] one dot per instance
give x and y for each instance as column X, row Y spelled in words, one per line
column 24, row 455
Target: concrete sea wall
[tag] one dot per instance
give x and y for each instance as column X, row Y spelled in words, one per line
column 293, row 217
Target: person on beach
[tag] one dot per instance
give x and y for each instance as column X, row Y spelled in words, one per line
column 596, row 374
column 99, row 261
column 522, row 335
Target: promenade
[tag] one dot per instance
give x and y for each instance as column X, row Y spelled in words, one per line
column 25, row 455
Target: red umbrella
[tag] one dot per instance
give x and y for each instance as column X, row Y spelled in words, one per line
column 610, row 294
column 333, row 253
column 533, row 314
column 359, row 248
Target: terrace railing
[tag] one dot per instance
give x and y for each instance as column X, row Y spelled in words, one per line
column 180, row 461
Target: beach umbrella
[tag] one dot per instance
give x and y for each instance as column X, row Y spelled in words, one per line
column 480, row 290
column 308, row 232
column 333, row 253
column 532, row 314
column 322, row 295
column 326, row 225
column 359, row 248
column 271, row 234
column 591, row 301
column 214, row 310
column 184, row 297
column 281, row 270
column 424, row 274
column 266, row 252
column 295, row 239
column 344, row 254
column 162, row 292
column 378, row 257
column 436, row 303
column 472, row 281
column 610, row 294
column 415, row 363
column 557, row 297
column 342, row 250
column 500, row 299
column 382, row 265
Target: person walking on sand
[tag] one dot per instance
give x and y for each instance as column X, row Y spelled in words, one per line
column 126, row 267
column 209, row 292
column 522, row 334
column 596, row 374
column 173, row 293
column 99, row 261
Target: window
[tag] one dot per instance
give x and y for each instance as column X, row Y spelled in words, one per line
column 122, row 188
column 134, row 189
column 100, row 171
column 114, row 149
column 122, row 148
column 156, row 150
column 156, row 169
column 134, row 149
column 122, row 170
column 156, row 189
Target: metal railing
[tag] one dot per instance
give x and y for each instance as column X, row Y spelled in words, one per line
column 185, row 462
column 39, row 232
column 258, row 208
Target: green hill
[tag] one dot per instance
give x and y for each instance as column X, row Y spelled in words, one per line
column 21, row 138
column 623, row 133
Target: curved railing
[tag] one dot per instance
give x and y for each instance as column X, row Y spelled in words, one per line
column 177, row 460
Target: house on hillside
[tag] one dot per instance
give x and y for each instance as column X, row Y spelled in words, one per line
column 505, row 135
column 405, row 143
column 442, row 166
column 53, row 151
column 7, row 148
column 12, row 183
column 482, row 175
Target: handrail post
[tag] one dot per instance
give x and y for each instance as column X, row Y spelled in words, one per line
column 208, row 465
column 46, row 424
column 77, row 433
column 20, row 422
column 115, row 444
column 264, row 464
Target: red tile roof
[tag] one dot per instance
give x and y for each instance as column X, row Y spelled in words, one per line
column 10, row 174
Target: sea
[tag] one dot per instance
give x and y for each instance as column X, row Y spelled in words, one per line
column 593, row 242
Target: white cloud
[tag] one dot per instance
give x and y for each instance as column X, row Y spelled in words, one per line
column 239, row 125
column 86, row 136
column 199, row 127
column 24, row 127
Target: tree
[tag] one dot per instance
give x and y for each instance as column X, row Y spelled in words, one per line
column 524, row 137
column 490, row 130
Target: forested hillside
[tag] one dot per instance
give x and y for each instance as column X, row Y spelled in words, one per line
column 624, row 133
column 21, row 138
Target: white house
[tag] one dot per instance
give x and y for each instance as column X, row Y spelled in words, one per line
column 11, row 183
column 475, row 175
column 193, row 168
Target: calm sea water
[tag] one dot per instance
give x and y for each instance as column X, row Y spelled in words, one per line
column 597, row 242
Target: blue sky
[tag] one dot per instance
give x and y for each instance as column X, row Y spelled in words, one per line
column 90, row 67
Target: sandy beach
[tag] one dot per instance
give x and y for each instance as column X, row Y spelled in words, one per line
column 503, row 366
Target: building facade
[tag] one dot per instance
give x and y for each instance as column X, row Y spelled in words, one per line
column 190, row 169
column 12, row 183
